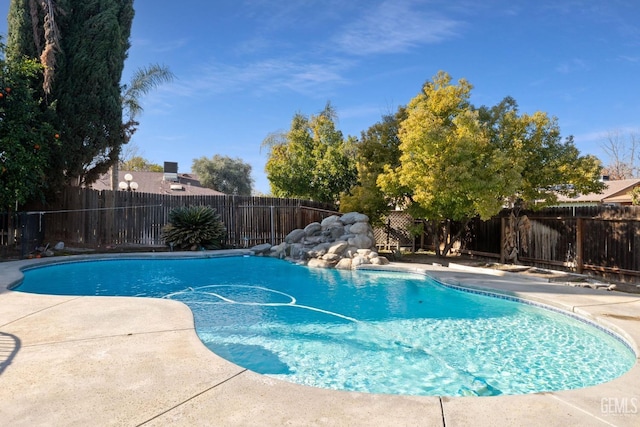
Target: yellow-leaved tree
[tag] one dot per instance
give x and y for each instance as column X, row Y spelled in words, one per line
column 458, row 162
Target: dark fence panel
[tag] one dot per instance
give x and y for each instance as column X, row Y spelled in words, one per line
column 595, row 239
column 612, row 245
column 600, row 239
column 103, row 218
column 550, row 240
column 483, row 237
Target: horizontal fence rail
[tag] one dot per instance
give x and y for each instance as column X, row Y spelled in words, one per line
column 102, row 218
column 602, row 240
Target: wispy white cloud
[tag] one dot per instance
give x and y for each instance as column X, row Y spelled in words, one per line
column 596, row 136
column 159, row 47
column 267, row 63
column 629, row 58
column 572, row 65
column 360, row 111
column 265, row 76
column 395, row 26
column 602, row 135
column 171, row 45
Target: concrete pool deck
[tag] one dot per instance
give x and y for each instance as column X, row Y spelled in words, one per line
column 82, row 360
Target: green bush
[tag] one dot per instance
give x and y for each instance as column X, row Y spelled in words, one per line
column 193, row 228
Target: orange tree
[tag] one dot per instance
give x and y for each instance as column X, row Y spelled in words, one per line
column 26, row 137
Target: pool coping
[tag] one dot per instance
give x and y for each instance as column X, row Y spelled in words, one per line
column 131, row 361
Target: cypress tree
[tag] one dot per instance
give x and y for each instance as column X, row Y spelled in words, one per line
column 83, row 45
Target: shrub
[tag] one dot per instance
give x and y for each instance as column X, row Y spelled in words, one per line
column 193, row 228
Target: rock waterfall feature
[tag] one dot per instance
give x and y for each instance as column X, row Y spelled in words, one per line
column 342, row 242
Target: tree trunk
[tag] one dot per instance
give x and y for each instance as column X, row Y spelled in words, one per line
column 450, row 240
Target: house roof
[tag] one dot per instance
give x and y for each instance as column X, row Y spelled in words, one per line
column 154, row 182
column 615, row 192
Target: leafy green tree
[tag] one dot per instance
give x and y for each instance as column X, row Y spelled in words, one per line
column 635, row 196
column 224, row 174
column 26, row 136
column 378, row 146
column 83, row 45
column 311, row 160
column 459, row 162
column 23, row 38
column 140, row 164
column 547, row 165
column 448, row 165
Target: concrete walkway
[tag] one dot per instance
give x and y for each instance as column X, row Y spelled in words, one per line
column 97, row 361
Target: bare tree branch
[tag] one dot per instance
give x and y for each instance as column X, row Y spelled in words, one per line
column 622, row 155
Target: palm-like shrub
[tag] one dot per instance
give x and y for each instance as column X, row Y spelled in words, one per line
column 193, row 228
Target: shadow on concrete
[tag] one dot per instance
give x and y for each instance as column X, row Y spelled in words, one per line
column 9, row 347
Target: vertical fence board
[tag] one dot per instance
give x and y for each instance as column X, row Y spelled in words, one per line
column 91, row 217
column 610, row 238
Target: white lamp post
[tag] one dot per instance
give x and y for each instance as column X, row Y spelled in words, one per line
column 128, row 184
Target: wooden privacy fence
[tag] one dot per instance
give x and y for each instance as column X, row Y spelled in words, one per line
column 102, row 218
column 601, row 239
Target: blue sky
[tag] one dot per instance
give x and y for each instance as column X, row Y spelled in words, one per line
column 245, row 67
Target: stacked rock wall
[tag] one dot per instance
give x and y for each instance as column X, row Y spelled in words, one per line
column 343, row 242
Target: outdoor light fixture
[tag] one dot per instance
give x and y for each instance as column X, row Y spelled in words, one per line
column 129, row 185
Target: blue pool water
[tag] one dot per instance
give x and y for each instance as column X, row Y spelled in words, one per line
column 377, row 332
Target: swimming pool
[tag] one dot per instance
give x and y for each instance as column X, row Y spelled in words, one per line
column 378, row 332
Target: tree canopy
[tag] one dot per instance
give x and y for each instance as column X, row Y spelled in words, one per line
column 378, row 146
column 26, row 135
column 546, row 165
column 311, row 160
column 139, row 164
column 458, row 162
column 82, row 45
column 224, row 174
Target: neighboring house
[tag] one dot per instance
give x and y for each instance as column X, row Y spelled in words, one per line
column 617, row 192
column 167, row 182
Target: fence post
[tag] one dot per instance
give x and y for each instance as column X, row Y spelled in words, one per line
column 109, row 201
column 579, row 246
column 273, row 227
column 12, row 222
column 503, row 221
column 23, row 234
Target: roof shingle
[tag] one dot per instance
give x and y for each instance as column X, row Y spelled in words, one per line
column 153, row 182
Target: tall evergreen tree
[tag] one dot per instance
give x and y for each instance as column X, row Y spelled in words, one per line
column 83, row 45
